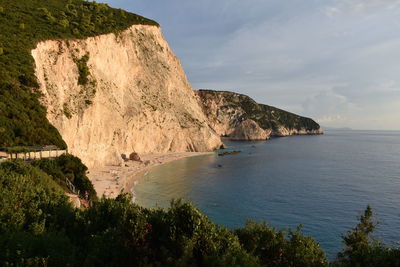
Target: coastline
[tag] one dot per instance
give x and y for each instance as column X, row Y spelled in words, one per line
column 110, row 181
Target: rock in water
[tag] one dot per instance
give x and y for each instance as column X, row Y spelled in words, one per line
column 229, row 153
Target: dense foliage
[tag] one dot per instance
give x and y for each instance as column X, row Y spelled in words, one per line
column 23, row 120
column 38, row 227
column 274, row 248
column 59, row 170
column 83, row 69
column 29, row 199
column 22, row 25
column 72, row 168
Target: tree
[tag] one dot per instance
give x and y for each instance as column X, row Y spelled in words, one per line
column 64, row 23
column 47, row 14
column 362, row 249
column 360, row 236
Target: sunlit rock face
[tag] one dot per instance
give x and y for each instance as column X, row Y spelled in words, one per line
column 136, row 97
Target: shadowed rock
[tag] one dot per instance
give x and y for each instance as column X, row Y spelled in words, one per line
column 134, row 157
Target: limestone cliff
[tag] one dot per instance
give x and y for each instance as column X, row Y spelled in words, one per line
column 240, row 118
column 119, row 93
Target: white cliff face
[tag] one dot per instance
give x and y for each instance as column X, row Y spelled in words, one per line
column 137, row 97
column 282, row 132
column 222, row 116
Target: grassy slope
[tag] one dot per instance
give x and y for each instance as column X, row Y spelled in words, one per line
column 266, row 116
column 23, row 23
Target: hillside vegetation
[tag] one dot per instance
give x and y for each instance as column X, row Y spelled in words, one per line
column 22, row 25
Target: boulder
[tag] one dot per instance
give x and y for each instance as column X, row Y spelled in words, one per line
column 249, row 130
column 134, row 157
column 74, row 200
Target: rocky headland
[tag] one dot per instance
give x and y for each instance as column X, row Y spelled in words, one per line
column 238, row 117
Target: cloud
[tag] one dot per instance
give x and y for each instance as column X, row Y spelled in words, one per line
column 360, row 6
column 328, row 120
column 332, row 11
column 328, row 107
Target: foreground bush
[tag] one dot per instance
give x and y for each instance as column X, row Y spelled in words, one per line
column 38, row 227
column 71, row 167
column 275, row 248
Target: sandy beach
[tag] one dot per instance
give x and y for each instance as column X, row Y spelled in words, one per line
column 110, row 181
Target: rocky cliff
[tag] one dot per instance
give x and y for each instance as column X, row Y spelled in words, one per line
column 119, row 93
column 240, row 118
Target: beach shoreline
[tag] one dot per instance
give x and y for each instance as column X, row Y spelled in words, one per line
column 110, row 181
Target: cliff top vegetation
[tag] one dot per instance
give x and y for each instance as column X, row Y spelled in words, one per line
column 22, row 25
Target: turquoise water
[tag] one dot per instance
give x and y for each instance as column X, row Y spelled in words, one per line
column 323, row 182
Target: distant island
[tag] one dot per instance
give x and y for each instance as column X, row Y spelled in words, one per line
column 338, row 128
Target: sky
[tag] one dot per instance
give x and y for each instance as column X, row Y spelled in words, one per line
column 336, row 61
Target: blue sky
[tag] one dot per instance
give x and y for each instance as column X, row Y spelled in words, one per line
column 337, row 61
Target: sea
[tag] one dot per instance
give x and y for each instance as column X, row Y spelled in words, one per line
column 322, row 182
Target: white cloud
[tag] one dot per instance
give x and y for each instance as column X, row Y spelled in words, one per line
column 332, row 11
column 331, row 120
column 328, row 107
column 360, row 6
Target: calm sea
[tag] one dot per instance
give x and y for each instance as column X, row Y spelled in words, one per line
column 323, row 182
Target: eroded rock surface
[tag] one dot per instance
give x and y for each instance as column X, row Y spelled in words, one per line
column 249, row 130
column 136, row 96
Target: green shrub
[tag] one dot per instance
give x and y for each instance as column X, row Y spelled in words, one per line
column 71, row 167
column 83, row 69
column 29, row 199
column 275, row 248
column 180, row 236
column 64, row 23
